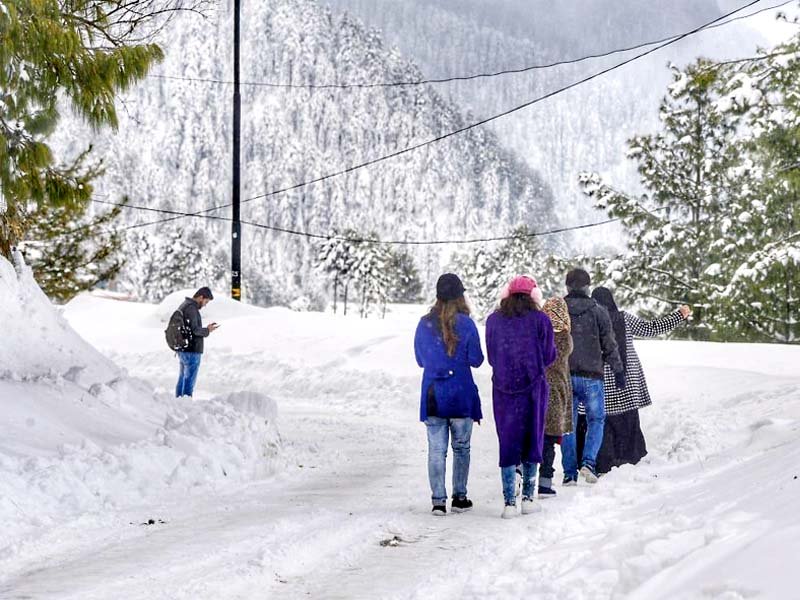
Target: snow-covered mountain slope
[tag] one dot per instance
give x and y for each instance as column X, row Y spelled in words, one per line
column 173, row 148
column 710, row 513
column 585, row 128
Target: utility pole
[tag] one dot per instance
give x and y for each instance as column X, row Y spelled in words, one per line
column 236, row 225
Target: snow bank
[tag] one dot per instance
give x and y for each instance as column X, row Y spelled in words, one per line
column 225, row 439
column 79, row 436
column 37, row 340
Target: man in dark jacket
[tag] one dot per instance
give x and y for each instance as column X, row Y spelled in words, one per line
column 595, row 344
column 190, row 358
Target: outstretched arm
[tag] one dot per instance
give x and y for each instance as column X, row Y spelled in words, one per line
column 647, row 329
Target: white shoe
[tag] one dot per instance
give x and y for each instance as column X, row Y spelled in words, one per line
column 529, row 506
column 588, row 474
column 509, row 511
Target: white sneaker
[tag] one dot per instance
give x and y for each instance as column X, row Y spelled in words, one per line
column 509, row 511
column 529, row 506
column 588, row 474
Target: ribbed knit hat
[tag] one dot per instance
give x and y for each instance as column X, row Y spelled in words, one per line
column 449, row 287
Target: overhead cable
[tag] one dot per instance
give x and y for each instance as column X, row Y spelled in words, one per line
column 459, row 131
column 386, row 84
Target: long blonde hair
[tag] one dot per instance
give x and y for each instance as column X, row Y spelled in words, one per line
column 444, row 313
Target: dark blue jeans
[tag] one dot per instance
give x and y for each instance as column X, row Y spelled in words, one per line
column 591, row 394
column 190, row 364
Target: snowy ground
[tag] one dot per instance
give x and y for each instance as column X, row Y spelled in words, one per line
column 337, row 504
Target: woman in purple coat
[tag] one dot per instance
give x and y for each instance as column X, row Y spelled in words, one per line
column 519, row 342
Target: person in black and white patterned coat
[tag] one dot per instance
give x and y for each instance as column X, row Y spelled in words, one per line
column 623, row 440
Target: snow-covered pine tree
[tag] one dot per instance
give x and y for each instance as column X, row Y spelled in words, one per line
column 406, row 285
column 161, row 264
column 337, row 258
column 70, row 252
column 761, row 299
column 370, row 273
column 678, row 232
column 486, row 271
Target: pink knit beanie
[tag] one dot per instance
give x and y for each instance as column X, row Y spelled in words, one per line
column 522, row 284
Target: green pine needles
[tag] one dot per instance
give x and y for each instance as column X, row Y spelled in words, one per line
column 55, row 52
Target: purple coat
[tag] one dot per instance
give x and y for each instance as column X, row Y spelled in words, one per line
column 520, row 349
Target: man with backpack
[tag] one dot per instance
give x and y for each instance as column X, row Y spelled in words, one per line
column 185, row 334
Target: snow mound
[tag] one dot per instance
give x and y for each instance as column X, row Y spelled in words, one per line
column 37, row 340
column 220, row 309
column 200, row 445
column 79, row 436
column 233, row 436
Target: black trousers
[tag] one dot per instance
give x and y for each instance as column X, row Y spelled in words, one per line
column 548, row 456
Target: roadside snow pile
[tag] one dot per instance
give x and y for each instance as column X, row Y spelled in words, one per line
column 231, row 436
column 79, row 436
column 200, row 444
column 37, row 340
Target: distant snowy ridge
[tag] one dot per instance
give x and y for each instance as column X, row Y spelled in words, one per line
column 173, row 150
column 584, row 128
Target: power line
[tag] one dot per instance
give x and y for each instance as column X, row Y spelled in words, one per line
column 559, row 63
column 359, row 240
column 462, row 129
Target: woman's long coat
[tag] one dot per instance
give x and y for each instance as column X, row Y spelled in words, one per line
column 520, row 349
column 559, row 408
column 635, row 395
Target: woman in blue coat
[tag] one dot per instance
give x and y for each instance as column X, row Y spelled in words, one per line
column 447, row 345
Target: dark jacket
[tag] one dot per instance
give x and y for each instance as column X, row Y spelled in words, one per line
column 191, row 316
column 592, row 337
column 454, row 390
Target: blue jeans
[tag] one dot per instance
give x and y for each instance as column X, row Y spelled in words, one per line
column 190, row 364
column 591, row 394
column 509, row 477
column 439, row 430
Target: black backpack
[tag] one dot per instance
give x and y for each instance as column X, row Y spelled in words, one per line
column 178, row 333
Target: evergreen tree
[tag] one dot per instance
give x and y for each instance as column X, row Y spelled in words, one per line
column 487, row 271
column 160, row 265
column 405, row 286
column 336, row 258
column 761, row 298
column 70, row 253
column 679, row 246
column 371, row 274
column 81, row 51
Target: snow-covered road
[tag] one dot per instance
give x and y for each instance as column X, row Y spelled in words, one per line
column 711, row 513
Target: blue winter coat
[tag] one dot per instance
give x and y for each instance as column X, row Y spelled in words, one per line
column 451, row 377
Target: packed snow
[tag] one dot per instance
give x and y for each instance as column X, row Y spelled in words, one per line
column 299, row 469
